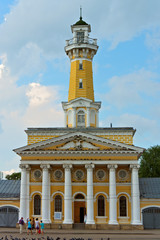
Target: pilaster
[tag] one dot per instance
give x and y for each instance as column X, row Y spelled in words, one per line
column 135, row 195
column 67, row 195
column 90, row 203
column 46, row 193
column 112, row 195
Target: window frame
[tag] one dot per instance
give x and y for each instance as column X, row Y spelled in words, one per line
column 98, row 207
column 37, row 213
column 126, row 207
column 58, row 208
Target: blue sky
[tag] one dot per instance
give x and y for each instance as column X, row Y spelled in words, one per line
column 34, row 70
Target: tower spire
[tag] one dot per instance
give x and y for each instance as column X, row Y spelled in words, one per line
column 80, row 12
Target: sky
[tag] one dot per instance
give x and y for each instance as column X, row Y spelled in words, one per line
column 34, row 69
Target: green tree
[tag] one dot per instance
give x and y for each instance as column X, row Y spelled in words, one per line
column 150, row 162
column 14, row 176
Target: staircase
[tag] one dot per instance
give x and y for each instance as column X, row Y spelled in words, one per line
column 79, row 226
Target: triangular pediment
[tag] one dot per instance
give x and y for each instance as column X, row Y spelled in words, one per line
column 78, row 141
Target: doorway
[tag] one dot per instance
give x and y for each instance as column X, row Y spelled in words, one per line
column 79, row 209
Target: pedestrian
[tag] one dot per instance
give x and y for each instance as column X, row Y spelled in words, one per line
column 42, row 227
column 21, row 223
column 29, row 227
column 37, row 225
column 85, row 218
column 33, row 223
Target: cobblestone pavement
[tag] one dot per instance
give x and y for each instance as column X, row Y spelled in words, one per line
column 77, row 234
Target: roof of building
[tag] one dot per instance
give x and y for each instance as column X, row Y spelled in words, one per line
column 80, row 22
column 10, row 188
column 83, row 129
column 149, row 187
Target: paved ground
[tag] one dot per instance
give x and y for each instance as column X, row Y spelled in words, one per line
column 13, row 233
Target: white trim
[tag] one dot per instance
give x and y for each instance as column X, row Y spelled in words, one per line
column 123, row 194
column 102, row 193
column 10, row 205
column 80, row 162
column 79, row 193
column 37, row 192
column 81, row 109
column 58, row 193
column 85, row 136
column 78, row 59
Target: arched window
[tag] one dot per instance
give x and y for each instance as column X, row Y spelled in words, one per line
column 37, row 205
column 81, row 119
column 123, row 206
column 79, row 196
column 101, row 211
column 58, row 203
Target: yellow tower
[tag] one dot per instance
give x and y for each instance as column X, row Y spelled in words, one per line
column 81, row 110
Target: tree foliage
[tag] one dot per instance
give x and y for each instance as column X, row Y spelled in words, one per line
column 14, row 176
column 150, row 162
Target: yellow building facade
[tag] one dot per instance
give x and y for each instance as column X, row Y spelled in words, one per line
column 82, row 172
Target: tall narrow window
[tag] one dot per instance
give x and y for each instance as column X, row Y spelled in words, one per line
column 58, row 203
column 80, row 66
column 81, row 119
column 80, row 83
column 123, row 206
column 80, row 37
column 101, row 206
column 37, row 205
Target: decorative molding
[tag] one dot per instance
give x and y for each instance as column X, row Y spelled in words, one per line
column 112, row 166
column 89, row 166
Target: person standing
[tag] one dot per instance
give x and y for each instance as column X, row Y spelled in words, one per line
column 42, row 227
column 21, row 223
column 33, row 224
column 37, row 225
column 29, row 227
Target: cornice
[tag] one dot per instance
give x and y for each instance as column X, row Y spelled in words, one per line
column 77, row 153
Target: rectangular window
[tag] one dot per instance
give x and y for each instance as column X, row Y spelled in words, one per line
column 80, row 37
column 80, row 83
column 80, row 66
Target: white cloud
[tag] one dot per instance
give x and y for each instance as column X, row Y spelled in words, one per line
column 147, row 133
column 132, row 89
column 31, row 35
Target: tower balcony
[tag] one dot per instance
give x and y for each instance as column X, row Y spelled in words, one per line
column 85, row 42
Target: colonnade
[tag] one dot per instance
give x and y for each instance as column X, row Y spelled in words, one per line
column 24, row 195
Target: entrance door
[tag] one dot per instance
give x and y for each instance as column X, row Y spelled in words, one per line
column 82, row 210
column 79, row 211
column 8, row 216
column 151, row 218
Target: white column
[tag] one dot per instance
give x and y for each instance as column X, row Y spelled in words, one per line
column 23, row 193
column 97, row 119
column 88, row 117
column 90, row 202
column 27, row 194
column 135, row 195
column 65, row 118
column 74, row 117
column 67, row 195
column 45, row 194
column 112, row 195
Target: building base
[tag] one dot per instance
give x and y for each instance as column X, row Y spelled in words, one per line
column 94, row 226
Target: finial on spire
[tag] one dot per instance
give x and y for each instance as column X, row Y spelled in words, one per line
column 80, row 12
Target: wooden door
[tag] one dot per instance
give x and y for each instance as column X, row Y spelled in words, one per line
column 77, row 211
